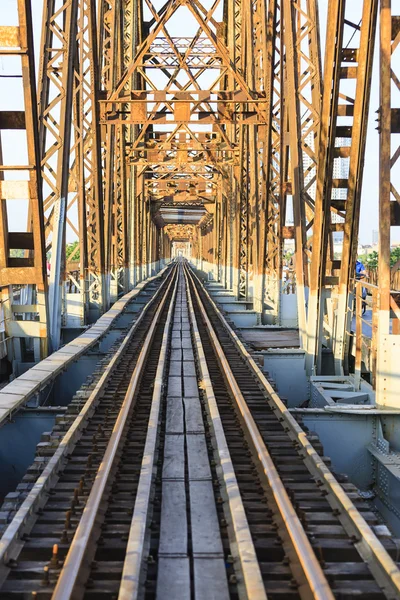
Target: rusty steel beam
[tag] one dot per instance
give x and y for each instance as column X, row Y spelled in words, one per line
column 276, row 168
column 111, row 58
column 59, row 26
column 259, row 136
column 88, row 166
column 388, row 308
column 347, row 57
column 23, row 278
column 303, row 67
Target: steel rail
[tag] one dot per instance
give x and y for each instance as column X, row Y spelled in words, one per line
column 304, row 564
column 70, row 583
column 242, row 543
column 130, row 581
column 381, row 565
column 11, row 542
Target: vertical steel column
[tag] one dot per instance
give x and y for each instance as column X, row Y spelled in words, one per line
column 388, row 351
column 55, row 118
column 275, row 171
column 329, row 278
column 111, row 56
column 303, row 65
column 359, row 110
column 108, row 42
column 30, row 268
column 86, row 91
column 387, row 37
column 265, row 19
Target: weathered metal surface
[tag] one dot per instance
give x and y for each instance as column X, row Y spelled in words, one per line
column 17, row 51
column 330, row 278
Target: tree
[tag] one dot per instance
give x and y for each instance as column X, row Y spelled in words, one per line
column 371, row 260
column 17, row 253
column 72, row 251
column 394, row 256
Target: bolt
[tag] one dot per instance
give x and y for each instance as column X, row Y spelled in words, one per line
column 64, row 537
column 12, row 563
column 54, row 558
column 46, row 574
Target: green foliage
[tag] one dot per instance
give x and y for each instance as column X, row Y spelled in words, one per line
column 288, row 256
column 17, row 253
column 394, row 256
column 72, row 251
column 371, row 260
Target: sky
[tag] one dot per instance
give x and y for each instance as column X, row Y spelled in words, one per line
column 369, row 208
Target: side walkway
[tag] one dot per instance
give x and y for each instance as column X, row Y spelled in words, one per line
column 17, row 393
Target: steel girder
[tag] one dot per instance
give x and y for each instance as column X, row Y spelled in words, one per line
column 388, row 127
column 23, row 278
column 88, row 159
column 112, row 49
column 272, row 135
column 70, row 156
column 55, row 95
column 303, row 68
column 387, row 319
column 344, row 115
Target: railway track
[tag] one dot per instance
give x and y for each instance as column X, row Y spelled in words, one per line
column 184, row 476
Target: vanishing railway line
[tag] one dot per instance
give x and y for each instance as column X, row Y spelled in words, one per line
column 182, row 475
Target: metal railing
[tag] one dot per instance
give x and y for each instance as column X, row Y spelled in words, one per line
column 363, row 327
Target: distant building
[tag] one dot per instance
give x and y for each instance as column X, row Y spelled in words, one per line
column 375, row 237
column 365, row 250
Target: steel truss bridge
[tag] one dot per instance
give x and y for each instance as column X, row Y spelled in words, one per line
column 180, row 188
